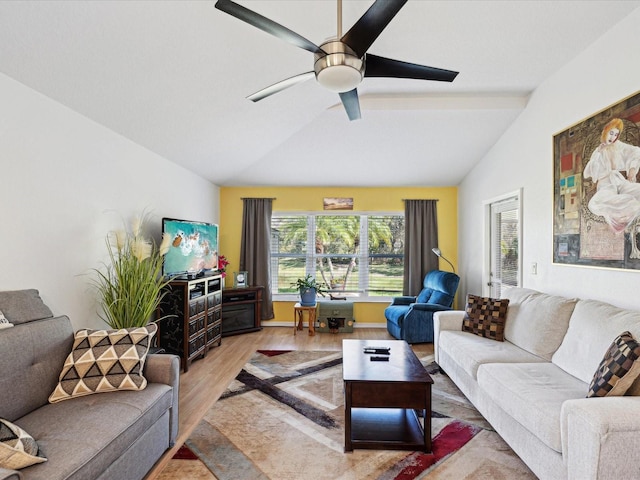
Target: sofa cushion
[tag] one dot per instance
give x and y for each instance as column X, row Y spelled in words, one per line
column 532, row 394
column 471, row 351
column 21, row 306
column 593, row 327
column 18, row 449
column 104, row 361
column 618, row 369
column 537, row 322
column 32, row 356
column 485, row 317
column 106, row 424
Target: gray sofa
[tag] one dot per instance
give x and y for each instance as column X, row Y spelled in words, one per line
column 532, row 386
column 107, row 436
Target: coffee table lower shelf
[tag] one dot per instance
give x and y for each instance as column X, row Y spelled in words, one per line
column 386, row 429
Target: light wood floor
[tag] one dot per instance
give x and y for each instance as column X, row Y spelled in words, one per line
column 207, row 378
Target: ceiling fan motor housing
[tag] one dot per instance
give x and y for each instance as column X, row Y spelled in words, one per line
column 337, row 67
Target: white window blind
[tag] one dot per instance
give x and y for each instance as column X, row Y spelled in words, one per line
column 504, row 246
column 353, row 254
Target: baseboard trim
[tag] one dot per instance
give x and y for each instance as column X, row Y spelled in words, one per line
column 271, row 323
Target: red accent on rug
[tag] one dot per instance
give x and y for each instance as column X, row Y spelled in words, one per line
column 185, row 453
column 273, row 353
column 451, row 438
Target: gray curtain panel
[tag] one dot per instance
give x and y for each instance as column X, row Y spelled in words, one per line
column 255, row 247
column 420, row 236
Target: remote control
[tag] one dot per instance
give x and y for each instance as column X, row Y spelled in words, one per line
column 378, row 350
column 379, row 359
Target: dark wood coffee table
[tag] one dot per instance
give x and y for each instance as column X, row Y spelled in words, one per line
column 381, row 398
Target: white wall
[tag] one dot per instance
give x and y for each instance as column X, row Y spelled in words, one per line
column 603, row 74
column 65, row 181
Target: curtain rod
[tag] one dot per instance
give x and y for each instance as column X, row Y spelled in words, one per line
column 257, row 198
column 410, row 199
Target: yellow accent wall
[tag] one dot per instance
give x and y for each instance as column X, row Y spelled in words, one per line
column 309, row 199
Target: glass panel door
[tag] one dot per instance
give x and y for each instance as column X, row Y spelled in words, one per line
column 504, row 245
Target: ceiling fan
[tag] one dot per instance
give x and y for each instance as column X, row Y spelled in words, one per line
column 340, row 64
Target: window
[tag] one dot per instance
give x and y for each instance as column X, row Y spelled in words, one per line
column 353, row 254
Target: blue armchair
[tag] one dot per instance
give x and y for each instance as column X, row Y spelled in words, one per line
column 411, row 318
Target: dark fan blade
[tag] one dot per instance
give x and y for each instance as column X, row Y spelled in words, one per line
column 386, row 67
column 365, row 31
column 278, row 87
column 351, row 104
column 269, row 26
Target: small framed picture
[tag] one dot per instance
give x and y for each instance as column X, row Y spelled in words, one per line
column 337, row 203
column 241, row 279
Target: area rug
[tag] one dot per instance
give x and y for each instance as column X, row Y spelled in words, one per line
column 282, row 419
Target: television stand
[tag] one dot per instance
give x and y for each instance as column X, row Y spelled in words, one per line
column 191, row 318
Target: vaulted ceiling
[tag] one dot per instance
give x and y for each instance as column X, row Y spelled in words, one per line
column 173, row 76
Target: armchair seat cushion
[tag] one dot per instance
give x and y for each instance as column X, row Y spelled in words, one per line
column 395, row 314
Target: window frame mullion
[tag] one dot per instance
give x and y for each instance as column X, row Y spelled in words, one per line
column 310, row 261
column 363, row 254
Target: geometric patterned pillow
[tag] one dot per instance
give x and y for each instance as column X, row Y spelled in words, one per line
column 618, row 369
column 4, row 323
column 485, row 317
column 18, row 449
column 104, row 361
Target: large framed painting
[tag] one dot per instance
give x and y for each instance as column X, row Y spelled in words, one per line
column 596, row 221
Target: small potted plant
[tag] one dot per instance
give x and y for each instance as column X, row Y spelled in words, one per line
column 338, row 282
column 309, row 288
column 222, row 267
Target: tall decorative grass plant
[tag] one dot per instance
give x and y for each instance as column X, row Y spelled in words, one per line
column 130, row 287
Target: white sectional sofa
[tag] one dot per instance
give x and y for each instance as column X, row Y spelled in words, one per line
column 532, row 387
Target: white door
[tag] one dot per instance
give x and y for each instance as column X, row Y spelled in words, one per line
column 504, row 244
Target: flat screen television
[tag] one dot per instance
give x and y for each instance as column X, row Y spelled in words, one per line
column 193, row 250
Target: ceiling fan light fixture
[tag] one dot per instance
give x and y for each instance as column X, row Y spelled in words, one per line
column 339, row 78
column 339, row 69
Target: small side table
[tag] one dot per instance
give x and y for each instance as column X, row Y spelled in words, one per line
column 298, row 318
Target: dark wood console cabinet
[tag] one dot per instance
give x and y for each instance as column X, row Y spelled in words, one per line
column 241, row 310
column 193, row 318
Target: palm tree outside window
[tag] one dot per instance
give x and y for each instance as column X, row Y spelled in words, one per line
column 358, row 255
